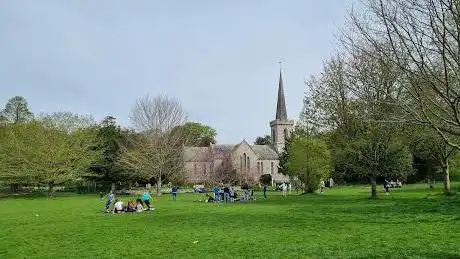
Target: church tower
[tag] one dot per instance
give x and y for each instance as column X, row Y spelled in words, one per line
column 281, row 126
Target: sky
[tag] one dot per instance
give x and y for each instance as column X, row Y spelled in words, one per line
column 219, row 58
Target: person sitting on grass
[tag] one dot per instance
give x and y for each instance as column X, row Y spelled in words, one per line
column 209, row 198
column 139, row 205
column 130, row 207
column 118, row 207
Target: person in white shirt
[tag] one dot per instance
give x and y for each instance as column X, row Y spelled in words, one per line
column 139, row 206
column 284, row 186
column 118, row 207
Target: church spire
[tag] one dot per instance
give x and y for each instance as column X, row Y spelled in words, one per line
column 281, row 113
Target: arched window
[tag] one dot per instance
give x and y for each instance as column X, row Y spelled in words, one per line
column 258, row 167
column 272, row 169
column 285, row 133
column 273, row 135
column 262, row 167
column 245, row 161
column 249, row 165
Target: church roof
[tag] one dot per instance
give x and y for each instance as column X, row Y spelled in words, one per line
column 265, row 152
column 222, row 150
column 196, row 154
column 281, row 113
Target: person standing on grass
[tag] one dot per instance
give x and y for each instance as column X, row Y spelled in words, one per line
column 232, row 194
column 284, row 187
column 146, row 197
column 265, row 191
column 216, row 191
column 226, row 194
column 109, row 201
column 323, row 185
column 174, row 192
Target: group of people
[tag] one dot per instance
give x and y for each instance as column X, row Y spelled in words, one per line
column 120, row 207
column 230, row 194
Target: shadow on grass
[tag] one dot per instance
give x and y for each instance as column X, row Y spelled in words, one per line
column 35, row 195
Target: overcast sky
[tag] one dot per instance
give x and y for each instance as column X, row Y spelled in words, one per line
column 218, row 57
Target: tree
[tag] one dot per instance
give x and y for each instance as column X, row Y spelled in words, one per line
column 266, row 140
column 110, row 138
column 378, row 154
column 157, row 151
column 197, row 134
column 35, row 154
column 309, row 161
column 428, row 145
column 17, row 110
column 66, row 121
column 421, row 39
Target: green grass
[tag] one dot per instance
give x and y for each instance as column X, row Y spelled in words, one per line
column 343, row 223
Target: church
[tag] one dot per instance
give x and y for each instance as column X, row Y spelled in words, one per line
column 247, row 160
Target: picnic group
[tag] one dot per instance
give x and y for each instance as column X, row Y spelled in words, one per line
column 117, row 205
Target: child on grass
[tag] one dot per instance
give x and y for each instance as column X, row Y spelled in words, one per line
column 146, row 197
column 109, row 201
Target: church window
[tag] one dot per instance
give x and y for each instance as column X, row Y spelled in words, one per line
column 262, row 167
column 272, row 169
column 258, row 167
column 285, row 133
column 249, row 165
column 245, row 161
column 273, row 135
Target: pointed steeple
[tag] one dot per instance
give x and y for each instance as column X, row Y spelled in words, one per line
column 281, row 113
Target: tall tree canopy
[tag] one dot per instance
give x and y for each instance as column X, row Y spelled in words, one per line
column 196, row 134
column 315, row 168
column 17, row 110
column 266, row 140
column 32, row 153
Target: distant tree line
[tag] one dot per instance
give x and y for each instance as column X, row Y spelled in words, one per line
column 66, row 148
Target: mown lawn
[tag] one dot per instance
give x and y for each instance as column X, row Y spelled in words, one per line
column 343, row 223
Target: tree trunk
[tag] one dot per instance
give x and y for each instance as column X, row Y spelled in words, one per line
column 373, row 187
column 51, row 190
column 159, row 185
column 113, row 188
column 14, row 187
column 445, row 172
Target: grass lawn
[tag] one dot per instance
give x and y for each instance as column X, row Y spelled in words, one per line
column 343, row 223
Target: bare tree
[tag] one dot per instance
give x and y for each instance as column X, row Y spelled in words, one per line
column 421, row 38
column 156, row 152
column 158, row 114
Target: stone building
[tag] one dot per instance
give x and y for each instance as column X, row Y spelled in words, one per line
column 248, row 161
